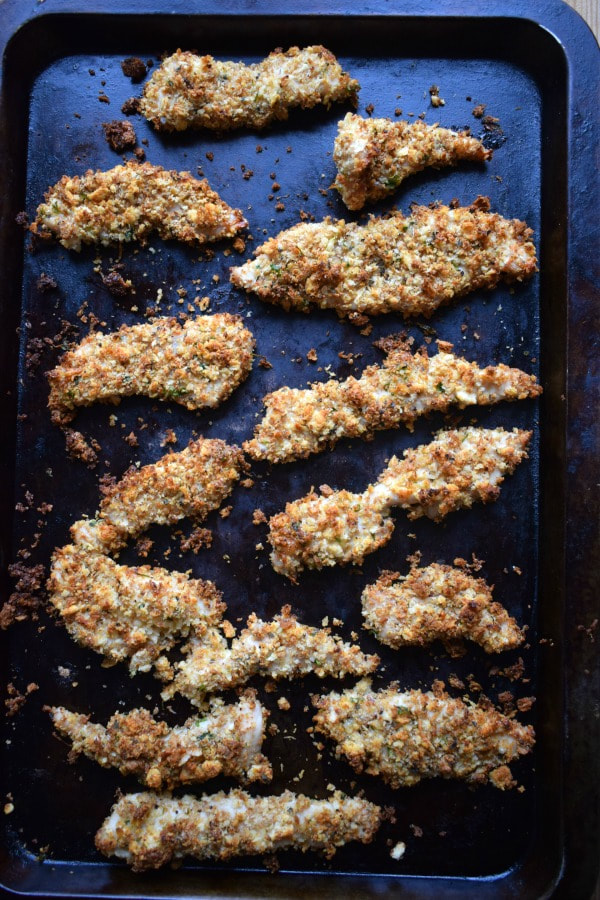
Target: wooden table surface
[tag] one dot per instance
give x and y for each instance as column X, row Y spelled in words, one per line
column 590, row 11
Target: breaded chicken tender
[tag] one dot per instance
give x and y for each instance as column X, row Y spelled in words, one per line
column 190, row 91
column 407, row 385
column 282, row 648
column 179, row 485
column 455, row 470
column 225, row 741
column 437, row 603
column 132, row 613
column 197, row 364
column 373, row 156
column 406, row 736
column 405, row 264
column 129, row 202
column 148, row 830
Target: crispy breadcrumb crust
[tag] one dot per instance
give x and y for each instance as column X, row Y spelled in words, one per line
column 225, row 741
column 407, row 385
column 129, row 202
column 179, row 485
column 132, row 613
column 190, row 91
column 282, row 648
column 373, row 156
column 406, row 736
column 406, row 264
column 457, row 469
column 148, row 830
column 437, row 602
column 197, row 364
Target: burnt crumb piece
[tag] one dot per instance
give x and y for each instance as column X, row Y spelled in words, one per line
column 33, row 354
column 131, row 106
column 119, row 134
column 264, row 363
column 131, row 439
column 78, row 448
column 434, row 94
column 22, row 219
column 135, row 68
column 369, row 109
column 491, row 123
column 139, row 154
column 46, row 283
column 16, row 699
column 144, row 546
column 196, row 540
column 27, row 596
column 258, row 517
column 479, row 110
column 103, row 98
column 116, row 284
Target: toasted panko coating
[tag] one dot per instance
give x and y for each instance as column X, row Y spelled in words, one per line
column 179, row 485
column 197, row 364
column 190, row 91
column 282, row 648
column 406, row 736
column 132, row 613
column 373, row 156
column 434, row 603
column 148, row 830
column 131, row 201
column 225, row 741
column 406, row 264
column 460, row 467
column 407, row 385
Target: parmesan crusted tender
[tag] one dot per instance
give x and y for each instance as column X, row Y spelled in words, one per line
column 129, row 202
column 225, row 741
column 189, row 91
column 373, row 156
column 132, row 613
column 455, row 470
column 300, row 422
column 406, row 264
column 406, row 736
column 283, row 648
column 197, row 364
column 179, row 485
column 437, row 603
column 148, row 830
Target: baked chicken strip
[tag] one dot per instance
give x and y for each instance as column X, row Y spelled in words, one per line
column 225, row 741
column 373, row 156
column 132, row 613
column 406, row 264
column 407, row 385
column 406, row 736
column 282, row 648
column 129, row 202
column 197, row 364
column 457, row 469
column 190, row 91
column 437, row 603
column 179, row 485
column 148, row 830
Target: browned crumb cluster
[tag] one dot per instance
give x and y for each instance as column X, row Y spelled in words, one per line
column 27, row 597
column 406, row 264
column 406, row 736
column 130, row 202
column 120, row 135
column 189, row 91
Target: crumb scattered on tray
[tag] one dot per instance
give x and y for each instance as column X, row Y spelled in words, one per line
column 135, row 68
column 120, row 135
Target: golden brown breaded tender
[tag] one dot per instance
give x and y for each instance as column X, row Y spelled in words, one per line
column 179, row 485
column 407, row 385
column 406, row 264
column 373, row 156
column 129, row 202
column 132, row 613
column 190, row 91
column 148, row 830
column 455, row 470
column 437, row 602
column 197, row 364
column 406, row 736
column 282, row 648
column 225, row 741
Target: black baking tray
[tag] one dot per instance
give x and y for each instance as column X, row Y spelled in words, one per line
column 536, row 70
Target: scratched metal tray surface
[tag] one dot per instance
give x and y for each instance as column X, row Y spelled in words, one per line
column 536, row 541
